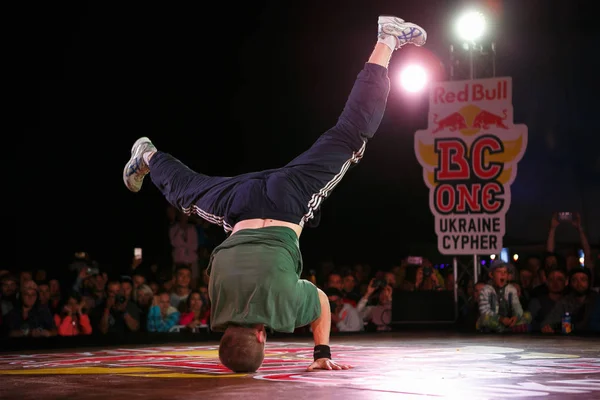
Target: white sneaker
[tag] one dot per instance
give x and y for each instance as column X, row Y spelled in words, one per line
column 136, row 168
column 405, row 32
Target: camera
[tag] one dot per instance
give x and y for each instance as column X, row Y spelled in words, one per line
column 93, row 271
column 120, row 299
column 379, row 283
column 565, row 216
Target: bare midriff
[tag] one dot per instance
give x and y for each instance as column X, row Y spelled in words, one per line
column 257, row 223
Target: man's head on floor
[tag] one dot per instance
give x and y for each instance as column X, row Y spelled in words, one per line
column 242, row 348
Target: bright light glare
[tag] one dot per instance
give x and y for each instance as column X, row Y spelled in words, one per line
column 470, row 26
column 492, row 257
column 413, row 78
column 516, row 257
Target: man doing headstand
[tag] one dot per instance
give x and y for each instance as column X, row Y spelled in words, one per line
column 255, row 272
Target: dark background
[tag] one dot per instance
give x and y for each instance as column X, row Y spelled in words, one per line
column 232, row 88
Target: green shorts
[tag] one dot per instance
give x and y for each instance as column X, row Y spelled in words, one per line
column 255, row 279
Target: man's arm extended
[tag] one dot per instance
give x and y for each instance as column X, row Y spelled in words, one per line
column 587, row 250
column 551, row 242
column 321, row 327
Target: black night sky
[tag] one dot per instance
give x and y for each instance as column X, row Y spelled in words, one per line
column 234, row 88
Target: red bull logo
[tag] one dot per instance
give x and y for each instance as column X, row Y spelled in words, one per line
column 470, row 120
column 469, row 157
column 485, row 119
column 453, row 122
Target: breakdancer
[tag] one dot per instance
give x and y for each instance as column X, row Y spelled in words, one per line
column 255, row 272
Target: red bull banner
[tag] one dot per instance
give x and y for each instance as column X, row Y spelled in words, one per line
column 469, row 155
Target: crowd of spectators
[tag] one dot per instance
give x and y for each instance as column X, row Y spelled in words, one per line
column 85, row 299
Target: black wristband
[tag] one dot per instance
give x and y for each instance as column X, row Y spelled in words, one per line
column 322, row 351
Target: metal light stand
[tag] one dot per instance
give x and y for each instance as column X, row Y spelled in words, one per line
column 465, row 65
column 475, row 53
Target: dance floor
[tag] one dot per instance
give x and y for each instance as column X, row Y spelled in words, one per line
column 396, row 365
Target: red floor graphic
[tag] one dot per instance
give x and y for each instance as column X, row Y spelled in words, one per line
column 436, row 369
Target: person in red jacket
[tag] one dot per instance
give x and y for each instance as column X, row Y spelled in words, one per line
column 196, row 312
column 73, row 319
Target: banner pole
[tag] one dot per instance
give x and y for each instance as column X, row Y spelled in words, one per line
column 455, row 272
column 475, row 269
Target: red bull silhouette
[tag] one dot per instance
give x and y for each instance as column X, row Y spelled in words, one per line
column 484, row 119
column 453, row 122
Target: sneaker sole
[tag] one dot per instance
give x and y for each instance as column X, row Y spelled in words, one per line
column 422, row 33
column 135, row 153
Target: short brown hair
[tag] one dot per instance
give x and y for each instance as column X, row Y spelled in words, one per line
column 240, row 351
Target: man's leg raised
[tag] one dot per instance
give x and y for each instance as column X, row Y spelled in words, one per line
column 317, row 171
column 185, row 189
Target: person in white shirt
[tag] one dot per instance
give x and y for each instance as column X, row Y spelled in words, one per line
column 379, row 315
column 344, row 316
